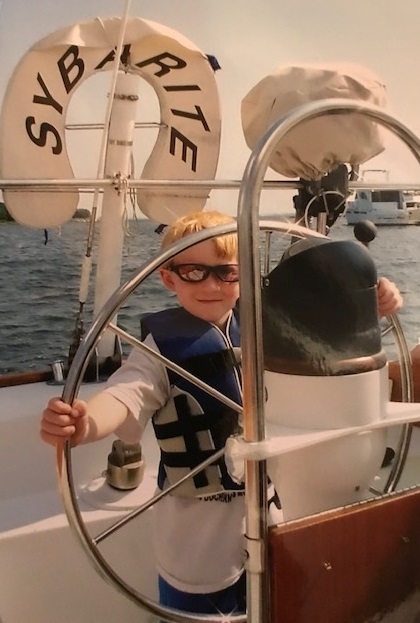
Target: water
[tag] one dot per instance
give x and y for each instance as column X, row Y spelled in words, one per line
column 39, row 286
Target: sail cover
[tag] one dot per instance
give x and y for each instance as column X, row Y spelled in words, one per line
column 316, row 146
column 32, row 122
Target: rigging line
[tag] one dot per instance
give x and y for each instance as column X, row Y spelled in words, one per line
column 132, row 193
column 124, row 217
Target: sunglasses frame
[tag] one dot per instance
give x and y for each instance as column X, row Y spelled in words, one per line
column 208, row 270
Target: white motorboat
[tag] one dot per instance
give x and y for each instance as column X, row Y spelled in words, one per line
column 384, row 207
column 349, row 545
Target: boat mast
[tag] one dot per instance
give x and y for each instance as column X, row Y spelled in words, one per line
column 117, row 166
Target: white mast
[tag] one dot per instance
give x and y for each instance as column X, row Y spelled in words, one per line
column 111, row 238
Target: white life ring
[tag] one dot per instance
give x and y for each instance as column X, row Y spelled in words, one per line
column 32, row 122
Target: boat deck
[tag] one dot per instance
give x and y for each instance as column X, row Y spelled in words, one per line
column 34, row 528
column 37, row 547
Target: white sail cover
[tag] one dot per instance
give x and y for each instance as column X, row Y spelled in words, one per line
column 32, row 122
column 316, row 146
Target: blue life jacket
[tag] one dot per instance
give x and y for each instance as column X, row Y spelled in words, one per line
column 193, row 425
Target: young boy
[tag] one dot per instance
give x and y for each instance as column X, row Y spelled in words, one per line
column 199, row 528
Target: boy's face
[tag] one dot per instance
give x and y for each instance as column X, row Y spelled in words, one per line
column 210, row 299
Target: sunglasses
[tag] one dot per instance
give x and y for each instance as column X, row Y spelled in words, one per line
column 194, row 273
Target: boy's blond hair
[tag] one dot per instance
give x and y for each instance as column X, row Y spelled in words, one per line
column 226, row 246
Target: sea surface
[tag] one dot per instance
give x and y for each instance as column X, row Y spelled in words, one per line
column 39, row 285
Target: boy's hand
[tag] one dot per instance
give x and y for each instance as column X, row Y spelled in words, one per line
column 61, row 422
column 415, row 355
column 389, row 297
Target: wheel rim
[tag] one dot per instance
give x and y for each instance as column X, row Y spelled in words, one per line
column 71, row 389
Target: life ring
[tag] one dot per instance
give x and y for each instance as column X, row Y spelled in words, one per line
column 32, row 122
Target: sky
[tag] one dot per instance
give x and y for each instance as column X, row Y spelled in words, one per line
column 250, row 39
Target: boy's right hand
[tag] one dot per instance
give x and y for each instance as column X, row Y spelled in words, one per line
column 62, row 422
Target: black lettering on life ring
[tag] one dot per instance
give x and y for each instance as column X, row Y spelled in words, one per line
column 48, row 99
column 189, row 115
column 41, row 139
column 164, row 67
column 75, row 63
column 186, row 145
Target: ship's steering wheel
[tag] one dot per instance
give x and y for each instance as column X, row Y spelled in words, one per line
column 74, row 379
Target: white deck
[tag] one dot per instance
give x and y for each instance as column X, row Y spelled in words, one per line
column 45, row 574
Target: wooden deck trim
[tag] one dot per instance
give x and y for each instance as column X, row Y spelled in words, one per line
column 352, row 565
column 23, row 378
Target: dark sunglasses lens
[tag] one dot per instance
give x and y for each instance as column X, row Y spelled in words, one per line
column 191, row 272
column 228, row 272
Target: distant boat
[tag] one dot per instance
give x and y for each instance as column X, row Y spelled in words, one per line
column 384, row 207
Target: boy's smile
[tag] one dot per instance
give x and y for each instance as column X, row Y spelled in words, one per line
column 210, row 299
